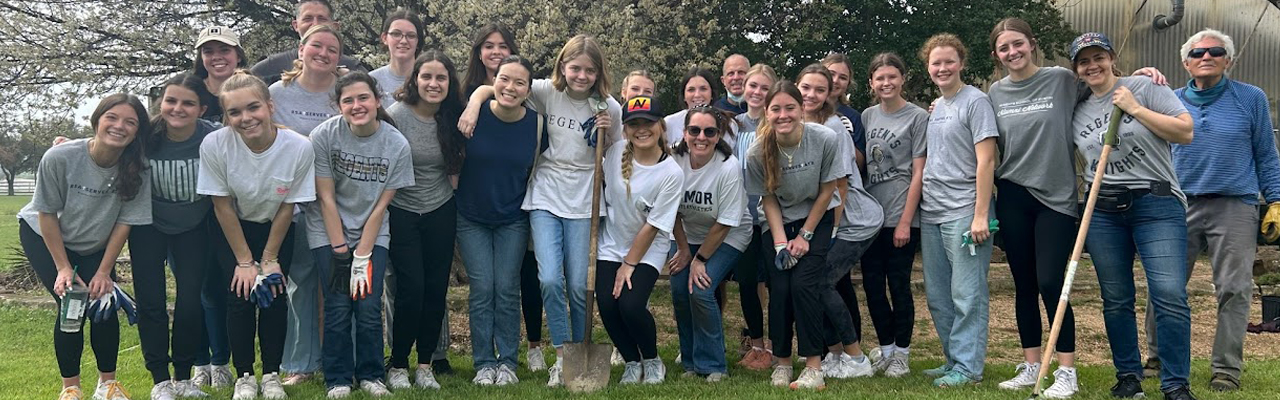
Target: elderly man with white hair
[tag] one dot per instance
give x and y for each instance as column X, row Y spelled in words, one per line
column 1222, row 171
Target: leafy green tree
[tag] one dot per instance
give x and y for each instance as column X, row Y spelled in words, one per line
column 24, row 142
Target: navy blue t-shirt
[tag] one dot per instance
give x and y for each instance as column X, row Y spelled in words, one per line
column 859, row 132
column 724, row 104
column 495, row 173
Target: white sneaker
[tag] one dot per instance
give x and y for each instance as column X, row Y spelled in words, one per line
column 110, row 390
column 1025, row 377
column 202, row 374
column 715, row 377
column 534, row 359
column 554, row 378
column 631, row 373
column 1065, row 384
column 339, row 392
column 654, row 371
column 220, row 376
column 187, row 389
column 855, row 369
column 878, row 361
column 898, row 366
column 831, row 365
column 374, row 388
column 246, row 388
column 506, row 376
column 271, row 387
column 398, row 378
column 781, row 375
column 163, row 391
column 425, row 378
column 485, row 376
column 70, row 393
column 615, row 359
column 811, row 378
column 679, row 357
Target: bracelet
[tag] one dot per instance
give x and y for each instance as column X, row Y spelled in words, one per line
column 341, row 246
column 624, row 262
column 699, row 257
column 244, row 264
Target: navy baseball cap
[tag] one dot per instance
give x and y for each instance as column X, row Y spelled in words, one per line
column 1088, row 40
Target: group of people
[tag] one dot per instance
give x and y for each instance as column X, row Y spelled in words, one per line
column 304, row 188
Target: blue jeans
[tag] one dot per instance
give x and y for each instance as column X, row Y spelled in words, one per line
column 213, row 297
column 340, row 365
column 561, row 247
column 1156, row 228
column 493, row 255
column 698, row 316
column 302, row 342
column 955, row 284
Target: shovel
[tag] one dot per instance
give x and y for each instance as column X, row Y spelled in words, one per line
column 586, row 365
column 1109, row 142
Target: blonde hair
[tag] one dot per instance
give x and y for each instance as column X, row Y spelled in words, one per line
column 243, row 79
column 574, row 48
column 289, row 76
column 628, row 156
column 943, row 40
column 766, row 70
column 643, row 73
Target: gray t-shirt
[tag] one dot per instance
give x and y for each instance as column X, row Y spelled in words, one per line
column 388, row 83
column 713, row 194
column 361, row 168
column 300, row 110
column 83, row 195
column 894, row 141
column 1034, row 120
column 862, row 215
column 1141, row 157
column 175, row 205
column 431, row 188
column 813, row 163
column 951, row 170
column 561, row 182
column 746, row 139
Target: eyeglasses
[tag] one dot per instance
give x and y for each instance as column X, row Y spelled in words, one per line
column 397, row 35
column 708, row 132
column 1199, row 52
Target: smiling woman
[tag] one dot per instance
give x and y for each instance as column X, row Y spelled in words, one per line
column 402, row 35
column 218, row 55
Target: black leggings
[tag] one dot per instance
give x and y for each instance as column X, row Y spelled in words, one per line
column 422, row 253
column 149, row 249
column 795, row 295
column 747, row 274
column 244, row 318
column 1037, row 242
column 627, row 318
column 531, row 298
column 104, row 337
column 885, row 264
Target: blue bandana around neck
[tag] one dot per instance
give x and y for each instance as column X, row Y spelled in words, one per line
column 1200, row 97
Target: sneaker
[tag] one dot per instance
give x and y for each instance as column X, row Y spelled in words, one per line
column 878, row 361
column 485, row 376
column 1127, row 387
column 339, row 392
column 202, row 375
column 938, row 371
column 616, row 358
column 70, row 393
column 110, row 390
column 762, row 360
column 631, row 373
column 1179, row 393
column 1024, row 377
column 272, row 388
column 831, row 366
column 781, row 375
column 1223, row 383
column 715, row 377
column 398, row 378
column 810, row 378
column 554, row 378
column 297, row 379
column 374, row 388
column 1065, row 384
column 679, row 358
column 954, row 378
column 654, row 371
column 246, row 388
column 506, row 376
column 163, row 391
column 425, row 378
column 534, row 359
column 1151, row 369
column 187, row 389
column 898, row 366
column 442, row 367
column 220, row 376
column 853, row 368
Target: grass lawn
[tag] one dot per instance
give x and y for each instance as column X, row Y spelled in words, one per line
column 9, row 206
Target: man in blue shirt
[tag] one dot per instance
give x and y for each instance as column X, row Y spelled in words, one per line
column 734, row 78
column 1231, row 161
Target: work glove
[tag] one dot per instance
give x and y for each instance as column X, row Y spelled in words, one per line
column 590, row 134
column 966, row 239
column 361, row 276
column 102, row 308
column 784, row 261
column 1271, row 223
column 265, row 288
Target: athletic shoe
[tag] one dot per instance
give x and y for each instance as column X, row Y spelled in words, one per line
column 954, row 379
column 1127, row 387
column 810, row 378
column 1223, row 383
column 781, row 375
column 187, row 389
column 1024, row 377
column 339, row 392
column 202, row 375
column 654, row 371
column 852, row 368
column 938, row 371
column 163, row 391
column 425, row 378
column 878, row 361
column 615, row 359
column 110, row 390
column 1179, row 393
column 220, row 376
column 715, row 377
column 246, row 388
column 297, row 379
column 759, row 360
column 485, row 376
column 554, row 378
column 831, row 366
column 442, row 366
column 631, row 373
column 1151, row 369
column 70, row 393
column 534, row 359
column 506, row 376
column 898, row 366
column 374, row 388
column 679, row 357
column 1065, row 384
column 272, row 389
column 398, row 378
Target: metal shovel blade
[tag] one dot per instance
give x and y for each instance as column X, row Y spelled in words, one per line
column 586, row 366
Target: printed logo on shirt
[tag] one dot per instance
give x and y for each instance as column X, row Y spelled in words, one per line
column 879, row 168
column 282, row 190
column 697, row 201
column 310, row 114
column 174, row 181
column 798, row 167
column 1025, row 106
column 91, row 192
column 360, row 168
column 565, row 122
column 1126, row 157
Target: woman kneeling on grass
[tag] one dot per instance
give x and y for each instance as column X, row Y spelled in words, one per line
column 89, row 193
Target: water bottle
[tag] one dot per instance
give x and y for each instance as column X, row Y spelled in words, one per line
column 74, row 303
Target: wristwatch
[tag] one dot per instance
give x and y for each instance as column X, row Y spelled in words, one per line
column 807, row 235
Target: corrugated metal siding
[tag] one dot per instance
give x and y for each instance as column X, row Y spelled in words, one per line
column 1258, row 64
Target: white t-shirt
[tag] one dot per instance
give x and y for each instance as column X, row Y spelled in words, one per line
column 561, row 182
column 714, row 194
column 284, row 173
column 654, row 200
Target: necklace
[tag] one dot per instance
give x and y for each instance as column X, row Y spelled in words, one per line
column 793, row 150
column 110, row 173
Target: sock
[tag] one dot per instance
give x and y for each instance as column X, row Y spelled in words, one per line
column 859, row 358
column 886, row 351
column 903, row 350
column 1068, row 369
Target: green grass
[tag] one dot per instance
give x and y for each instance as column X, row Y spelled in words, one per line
column 9, row 206
column 28, row 371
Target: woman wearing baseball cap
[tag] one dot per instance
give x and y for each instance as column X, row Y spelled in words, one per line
column 218, row 55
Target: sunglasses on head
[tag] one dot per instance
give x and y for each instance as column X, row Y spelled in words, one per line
column 1199, row 52
column 708, row 132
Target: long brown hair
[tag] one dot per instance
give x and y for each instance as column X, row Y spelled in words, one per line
column 577, row 46
column 362, row 77
column 767, row 139
column 1012, row 24
column 828, row 109
column 886, row 60
column 131, row 162
column 477, row 74
column 451, row 140
column 722, row 119
column 160, row 127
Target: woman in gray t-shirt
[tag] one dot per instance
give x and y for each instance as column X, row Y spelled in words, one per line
column 402, row 34
column 89, row 193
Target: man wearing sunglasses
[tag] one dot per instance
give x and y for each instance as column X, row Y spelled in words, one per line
column 1223, row 170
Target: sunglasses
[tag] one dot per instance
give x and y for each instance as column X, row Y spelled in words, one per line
column 1199, row 52
column 708, row 132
